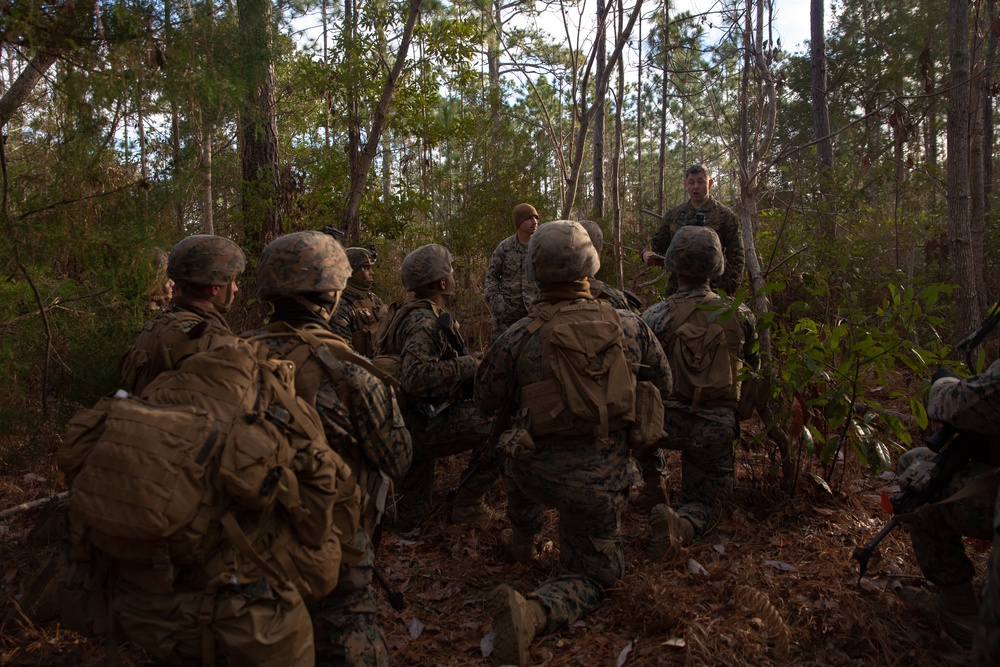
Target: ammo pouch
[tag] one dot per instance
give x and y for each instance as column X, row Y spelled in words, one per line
column 648, row 427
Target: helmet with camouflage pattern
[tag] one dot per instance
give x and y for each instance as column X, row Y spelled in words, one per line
column 302, row 263
column 204, row 259
column 595, row 232
column 425, row 265
column 561, row 251
column 359, row 257
column 695, row 251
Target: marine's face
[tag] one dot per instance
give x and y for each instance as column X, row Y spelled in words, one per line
column 365, row 273
column 528, row 226
column 698, row 187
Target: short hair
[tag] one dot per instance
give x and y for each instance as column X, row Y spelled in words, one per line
column 695, row 169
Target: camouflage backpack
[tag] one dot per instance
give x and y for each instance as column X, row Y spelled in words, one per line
column 589, row 388
column 702, row 353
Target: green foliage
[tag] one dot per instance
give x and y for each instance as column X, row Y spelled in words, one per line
column 836, row 379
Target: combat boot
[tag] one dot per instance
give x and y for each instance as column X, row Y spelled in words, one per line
column 470, row 509
column 668, row 532
column 652, row 493
column 522, row 546
column 955, row 608
column 516, row 622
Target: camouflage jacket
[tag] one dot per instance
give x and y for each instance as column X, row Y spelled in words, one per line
column 356, row 320
column 972, row 404
column 725, row 223
column 165, row 339
column 657, row 317
column 430, row 368
column 508, row 291
column 370, row 429
column 569, row 460
column 614, row 296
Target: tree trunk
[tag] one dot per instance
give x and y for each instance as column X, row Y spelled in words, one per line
column 359, row 170
column 664, row 44
column 959, row 228
column 616, row 176
column 600, row 73
column 821, row 116
column 258, row 124
column 587, row 116
column 25, row 83
column 207, row 196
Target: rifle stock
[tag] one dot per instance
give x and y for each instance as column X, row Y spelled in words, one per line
column 954, row 448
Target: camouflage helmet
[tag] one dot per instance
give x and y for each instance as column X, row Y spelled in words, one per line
column 425, row 265
column 561, row 251
column 595, row 232
column 204, row 259
column 359, row 257
column 302, row 263
column 695, row 251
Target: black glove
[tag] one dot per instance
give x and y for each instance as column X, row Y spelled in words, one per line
column 942, row 372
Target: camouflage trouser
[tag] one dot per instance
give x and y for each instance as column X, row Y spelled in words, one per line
column 465, row 428
column 707, row 462
column 346, row 630
column 936, row 532
column 591, row 553
column 986, row 648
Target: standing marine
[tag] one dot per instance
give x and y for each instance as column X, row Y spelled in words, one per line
column 303, row 276
column 567, row 450
column 508, row 290
column 435, row 372
column 360, row 309
column 702, row 210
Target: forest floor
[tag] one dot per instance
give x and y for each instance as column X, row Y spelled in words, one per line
column 772, row 583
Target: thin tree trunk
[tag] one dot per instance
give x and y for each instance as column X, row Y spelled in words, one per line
column 600, row 73
column 821, row 115
column 665, row 45
column 207, row 196
column 616, row 176
column 359, row 173
column 959, row 228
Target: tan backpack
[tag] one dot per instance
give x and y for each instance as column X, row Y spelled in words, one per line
column 702, row 353
column 219, row 469
column 589, row 387
column 387, row 350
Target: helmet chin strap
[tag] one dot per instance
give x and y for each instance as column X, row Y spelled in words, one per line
column 223, row 300
column 324, row 309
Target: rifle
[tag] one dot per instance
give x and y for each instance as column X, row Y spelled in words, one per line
column 396, row 599
column 488, row 449
column 953, row 449
column 433, row 414
column 500, row 424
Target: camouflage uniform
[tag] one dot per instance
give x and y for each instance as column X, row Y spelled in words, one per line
column 360, row 310
column 613, row 295
column 508, row 290
column 370, row 435
column 705, row 435
column 936, row 533
column 586, row 483
column 432, row 372
column 725, row 223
